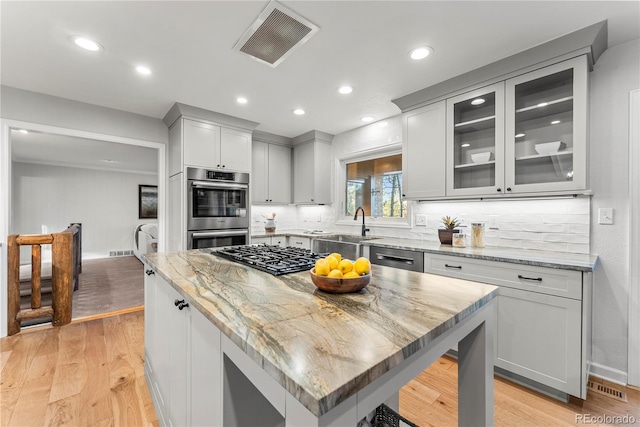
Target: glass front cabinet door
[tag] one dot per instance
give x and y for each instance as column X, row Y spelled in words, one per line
column 475, row 142
column 546, row 129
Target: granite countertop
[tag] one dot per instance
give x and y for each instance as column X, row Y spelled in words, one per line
column 322, row 348
column 567, row 261
column 563, row 260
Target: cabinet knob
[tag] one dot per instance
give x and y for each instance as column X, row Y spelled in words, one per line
column 178, row 302
column 182, row 306
column 266, row 200
column 149, row 272
column 223, row 165
column 217, row 166
column 499, row 189
column 508, row 188
column 312, row 200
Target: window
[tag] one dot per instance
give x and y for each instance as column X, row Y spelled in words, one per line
column 376, row 185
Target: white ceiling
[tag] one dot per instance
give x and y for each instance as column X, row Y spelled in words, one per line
column 188, row 45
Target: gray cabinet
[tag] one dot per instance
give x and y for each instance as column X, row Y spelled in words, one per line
column 312, row 172
column 183, row 374
column 270, row 173
column 423, row 152
column 543, row 319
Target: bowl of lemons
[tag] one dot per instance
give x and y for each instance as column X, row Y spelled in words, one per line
column 336, row 275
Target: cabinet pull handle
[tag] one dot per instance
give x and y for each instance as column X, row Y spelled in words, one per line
column 498, row 189
column 459, row 267
column 182, row 306
column 537, row 279
column 178, row 302
column 508, row 188
column 149, row 272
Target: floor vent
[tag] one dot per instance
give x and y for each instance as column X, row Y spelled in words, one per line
column 121, row 253
column 607, row 391
column 275, row 34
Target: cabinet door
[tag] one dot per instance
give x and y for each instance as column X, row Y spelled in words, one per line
column 205, row 368
column 201, row 143
column 279, row 175
column 303, row 173
column 178, row 333
column 177, row 204
column 539, row 337
column 475, row 142
column 546, row 124
column 160, row 351
column 259, row 172
column 300, row 242
column 423, row 152
column 235, row 150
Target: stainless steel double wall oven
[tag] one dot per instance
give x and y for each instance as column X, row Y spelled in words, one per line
column 217, row 208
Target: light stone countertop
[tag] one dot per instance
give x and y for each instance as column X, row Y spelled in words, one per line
column 321, row 347
column 562, row 260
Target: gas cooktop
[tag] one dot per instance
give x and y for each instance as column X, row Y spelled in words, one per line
column 272, row 259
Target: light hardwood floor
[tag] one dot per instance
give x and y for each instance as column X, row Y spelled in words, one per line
column 91, row 373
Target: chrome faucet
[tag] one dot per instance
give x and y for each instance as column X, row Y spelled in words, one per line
column 355, row 218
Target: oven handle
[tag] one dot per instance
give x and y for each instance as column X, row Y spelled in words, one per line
column 219, row 233
column 203, row 184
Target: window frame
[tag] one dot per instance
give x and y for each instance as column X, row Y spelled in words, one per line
column 341, row 188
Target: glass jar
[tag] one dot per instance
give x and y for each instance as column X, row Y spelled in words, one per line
column 477, row 234
column 459, row 240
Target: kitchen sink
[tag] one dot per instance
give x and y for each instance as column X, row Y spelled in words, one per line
column 347, row 245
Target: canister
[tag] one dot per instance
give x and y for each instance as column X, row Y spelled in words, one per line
column 459, row 240
column 477, row 234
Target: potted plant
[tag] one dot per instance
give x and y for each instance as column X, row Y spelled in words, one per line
column 446, row 234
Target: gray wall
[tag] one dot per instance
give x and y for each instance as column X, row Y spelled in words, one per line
column 34, row 107
column 616, row 73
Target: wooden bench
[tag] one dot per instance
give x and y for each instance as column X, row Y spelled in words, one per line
column 66, row 266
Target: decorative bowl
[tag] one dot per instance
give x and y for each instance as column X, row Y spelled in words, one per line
column 339, row 285
column 550, row 147
column 481, row 157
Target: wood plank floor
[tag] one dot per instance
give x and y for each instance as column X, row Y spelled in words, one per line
column 91, row 373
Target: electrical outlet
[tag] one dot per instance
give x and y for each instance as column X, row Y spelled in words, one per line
column 605, row 216
column 421, row 220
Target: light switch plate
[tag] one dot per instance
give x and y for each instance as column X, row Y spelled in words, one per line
column 421, row 220
column 605, row 216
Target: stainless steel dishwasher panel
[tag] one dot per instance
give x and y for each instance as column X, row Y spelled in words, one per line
column 398, row 258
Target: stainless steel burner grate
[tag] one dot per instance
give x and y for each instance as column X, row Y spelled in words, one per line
column 275, row 260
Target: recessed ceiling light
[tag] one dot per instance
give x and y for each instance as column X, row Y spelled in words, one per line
column 141, row 69
column 366, row 119
column 299, row 112
column 420, row 52
column 383, row 124
column 555, row 122
column 86, row 43
column 242, row 100
column 543, row 104
column 519, row 135
column 477, row 101
column 23, row 131
column 109, row 161
column 465, row 145
column 345, row 90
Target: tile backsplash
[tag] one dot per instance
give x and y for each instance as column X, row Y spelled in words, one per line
column 557, row 225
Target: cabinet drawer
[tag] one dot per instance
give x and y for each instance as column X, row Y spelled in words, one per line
column 300, row 242
column 397, row 258
column 550, row 281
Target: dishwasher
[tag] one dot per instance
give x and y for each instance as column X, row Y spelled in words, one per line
column 397, row 258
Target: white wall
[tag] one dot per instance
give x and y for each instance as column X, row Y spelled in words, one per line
column 616, row 73
column 47, row 198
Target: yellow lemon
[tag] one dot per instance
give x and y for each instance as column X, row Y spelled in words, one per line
column 335, row 273
column 337, row 256
column 322, row 267
column 350, row 275
column 345, row 266
column 333, row 261
column 362, row 266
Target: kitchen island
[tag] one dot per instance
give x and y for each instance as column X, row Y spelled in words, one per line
column 269, row 350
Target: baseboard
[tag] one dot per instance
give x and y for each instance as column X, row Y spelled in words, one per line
column 609, row 374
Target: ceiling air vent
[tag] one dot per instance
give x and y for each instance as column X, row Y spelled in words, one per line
column 276, row 33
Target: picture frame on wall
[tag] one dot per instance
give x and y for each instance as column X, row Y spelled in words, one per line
column 147, row 201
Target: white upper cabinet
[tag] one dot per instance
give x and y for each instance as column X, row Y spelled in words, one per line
column 201, row 144
column 235, row 150
column 546, row 129
column 271, row 173
column 423, row 152
column 312, row 173
column 475, row 142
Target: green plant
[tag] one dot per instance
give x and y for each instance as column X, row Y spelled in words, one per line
column 450, row 223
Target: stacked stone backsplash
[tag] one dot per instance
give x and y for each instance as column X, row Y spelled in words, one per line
column 557, row 225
